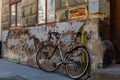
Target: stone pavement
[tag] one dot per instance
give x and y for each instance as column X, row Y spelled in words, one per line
column 13, row 71
column 110, row 73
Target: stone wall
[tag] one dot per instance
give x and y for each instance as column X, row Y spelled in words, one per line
column 21, row 44
column 5, row 14
column 0, row 17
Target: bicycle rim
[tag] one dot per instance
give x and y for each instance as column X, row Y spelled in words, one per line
column 77, row 63
column 48, row 58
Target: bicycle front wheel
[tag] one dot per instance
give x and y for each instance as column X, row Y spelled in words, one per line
column 77, row 62
column 48, row 58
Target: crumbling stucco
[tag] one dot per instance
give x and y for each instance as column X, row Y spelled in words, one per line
column 21, row 44
column 94, row 45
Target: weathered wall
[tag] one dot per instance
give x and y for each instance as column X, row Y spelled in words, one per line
column 0, row 16
column 94, row 45
column 5, row 14
column 22, row 44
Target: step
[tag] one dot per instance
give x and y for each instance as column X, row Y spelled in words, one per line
column 110, row 73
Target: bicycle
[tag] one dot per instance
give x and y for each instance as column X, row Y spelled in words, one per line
column 50, row 57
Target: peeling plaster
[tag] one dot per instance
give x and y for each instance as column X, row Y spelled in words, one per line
column 24, row 48
column 22, row 44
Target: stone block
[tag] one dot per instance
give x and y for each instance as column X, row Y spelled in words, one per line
column 60, row 4
column 62, row 15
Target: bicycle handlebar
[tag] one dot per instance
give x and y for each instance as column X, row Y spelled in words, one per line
column 56, row 34
column 78, row 33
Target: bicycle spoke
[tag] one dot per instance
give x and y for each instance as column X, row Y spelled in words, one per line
column 47, row 58
column 76, row 66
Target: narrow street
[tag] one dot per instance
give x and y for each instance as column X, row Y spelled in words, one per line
column 13, row 71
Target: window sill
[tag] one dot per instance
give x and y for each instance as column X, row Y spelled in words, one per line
column 18, row 27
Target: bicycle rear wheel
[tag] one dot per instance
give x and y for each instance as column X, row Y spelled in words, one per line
column 48, row 58
column 77, row 62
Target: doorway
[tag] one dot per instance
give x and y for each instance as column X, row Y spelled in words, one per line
column 115, row 26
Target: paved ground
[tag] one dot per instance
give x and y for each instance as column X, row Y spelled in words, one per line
column 112, row 69
column 14, row 71
column 110, row 73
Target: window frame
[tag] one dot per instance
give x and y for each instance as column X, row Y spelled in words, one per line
column 46, row 12
column 15, row 2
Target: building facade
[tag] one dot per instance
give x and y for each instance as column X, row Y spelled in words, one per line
column 26, row 23
column 0, row 17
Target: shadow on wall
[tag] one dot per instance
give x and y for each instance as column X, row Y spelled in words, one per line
column 109, row 54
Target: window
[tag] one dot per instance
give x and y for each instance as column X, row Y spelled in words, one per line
column 41, row 11
column 51, row 10
column 19, row 15
column 46, row 11
column 15, row 13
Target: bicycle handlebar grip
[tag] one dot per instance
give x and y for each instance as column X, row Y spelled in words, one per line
column 50, row 35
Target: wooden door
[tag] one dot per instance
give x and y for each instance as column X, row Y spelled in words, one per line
column 115, row 26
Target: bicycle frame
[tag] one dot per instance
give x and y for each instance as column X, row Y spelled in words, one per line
column 60, row 50
column 75, row 58
column 63, row 58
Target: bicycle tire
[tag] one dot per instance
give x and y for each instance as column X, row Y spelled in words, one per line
column 48, row 58
column 76, row 67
